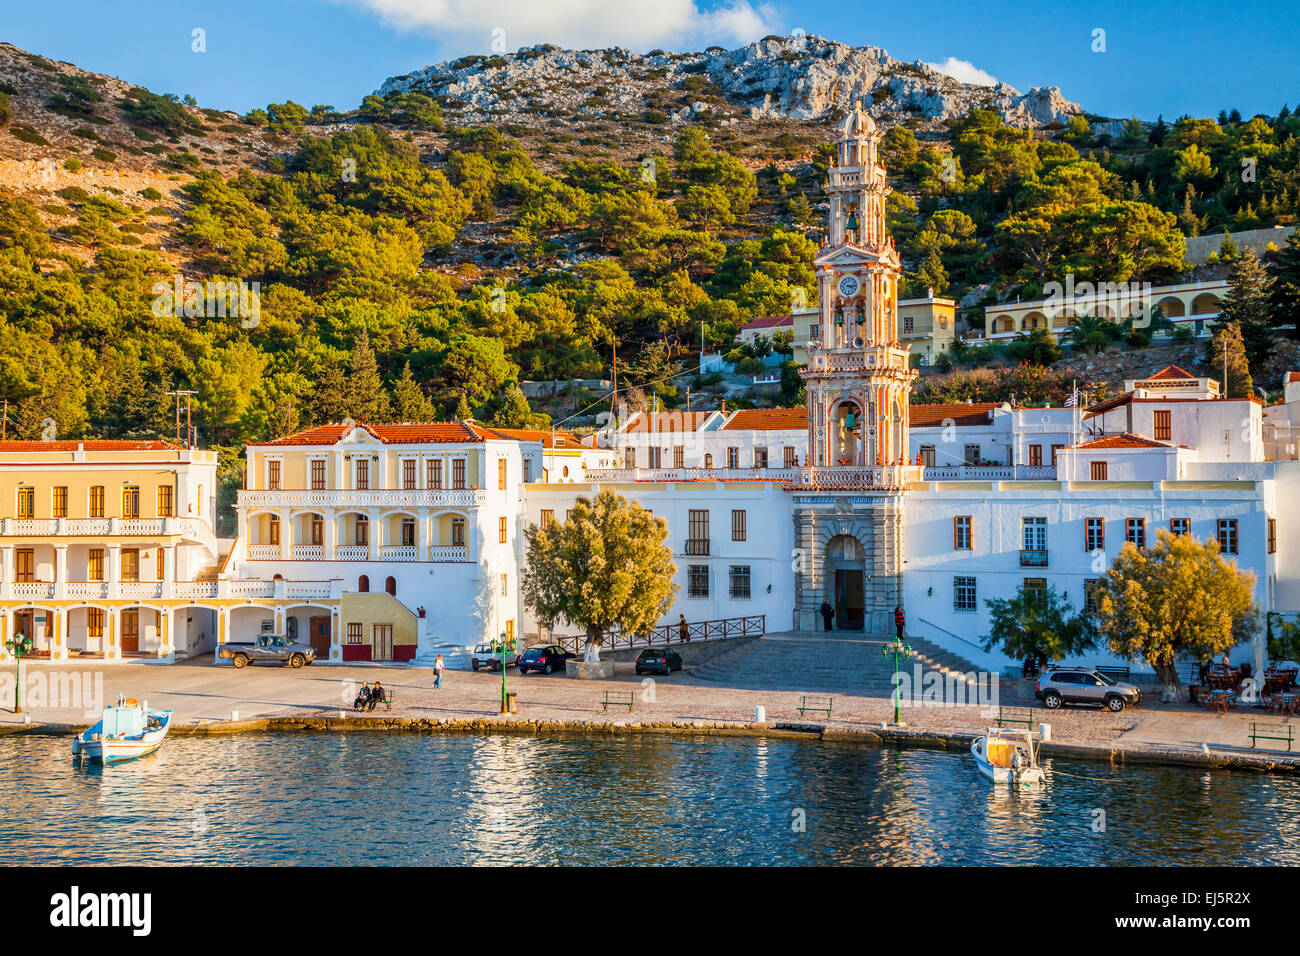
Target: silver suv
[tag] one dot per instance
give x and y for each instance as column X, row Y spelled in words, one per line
column 1084, row 685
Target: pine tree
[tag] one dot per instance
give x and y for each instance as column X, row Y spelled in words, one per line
column 1286, row 285
column 1188, row 221
column 514, row 411
column 366, row 398
column 463, row 411
column 1240, row 384
column 1248, row 305
column 329, row 401
column 409, row 402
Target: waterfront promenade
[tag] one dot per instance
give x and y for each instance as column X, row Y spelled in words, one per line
column 208, row 696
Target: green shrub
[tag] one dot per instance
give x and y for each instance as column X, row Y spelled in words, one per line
column 72, row 164
column 73, row 194
column 103, row 155
column 28, row 135
column 150, row 193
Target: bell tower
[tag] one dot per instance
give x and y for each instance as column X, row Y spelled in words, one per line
column 858, row 377
column 848, row 500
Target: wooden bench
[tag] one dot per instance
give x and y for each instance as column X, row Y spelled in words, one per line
column 1260, row 732
column 1016, row 715
column 386, row 699
column 618, row 698
column 818, row 705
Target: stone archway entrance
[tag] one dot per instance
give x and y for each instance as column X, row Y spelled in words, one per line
column 844, row 575
column 849, row 548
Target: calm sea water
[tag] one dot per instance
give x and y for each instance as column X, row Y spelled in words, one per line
column 421, row 800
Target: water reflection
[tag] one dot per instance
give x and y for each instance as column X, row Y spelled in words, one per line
column 371, row 799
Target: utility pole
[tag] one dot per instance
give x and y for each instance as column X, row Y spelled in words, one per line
column 188, row 428
column 613, row 402
column 1225, row 368
column 4, row 423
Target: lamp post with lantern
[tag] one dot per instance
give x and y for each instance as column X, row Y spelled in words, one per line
column 899, row 651
column 19, row 645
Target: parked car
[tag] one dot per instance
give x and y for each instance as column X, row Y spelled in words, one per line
column 550, row 657
column 1084, row 685
column 269, row 647
column 484, row 656
column 658, row 660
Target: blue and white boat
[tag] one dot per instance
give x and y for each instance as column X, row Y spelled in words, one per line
column 126, row 731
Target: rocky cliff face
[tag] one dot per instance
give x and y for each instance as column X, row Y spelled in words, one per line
column 802, row 78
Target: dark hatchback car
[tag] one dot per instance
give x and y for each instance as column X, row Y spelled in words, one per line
column 658, row 660
column 544, row 659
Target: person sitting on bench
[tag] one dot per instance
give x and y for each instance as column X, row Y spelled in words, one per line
column 376, row 696
column 363, row 698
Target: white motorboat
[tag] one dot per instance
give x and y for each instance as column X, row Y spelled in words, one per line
column 124, row 732
column 1008, row 756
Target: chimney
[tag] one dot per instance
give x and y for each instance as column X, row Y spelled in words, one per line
column 724, row 406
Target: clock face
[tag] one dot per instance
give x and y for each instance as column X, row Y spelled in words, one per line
column 848, row 285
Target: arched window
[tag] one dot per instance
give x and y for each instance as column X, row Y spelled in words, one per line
column 391, row 586
column 363, row 583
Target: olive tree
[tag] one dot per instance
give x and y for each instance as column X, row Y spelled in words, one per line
column 605, row 567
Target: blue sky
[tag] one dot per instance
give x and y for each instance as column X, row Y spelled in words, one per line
column 1161, row 57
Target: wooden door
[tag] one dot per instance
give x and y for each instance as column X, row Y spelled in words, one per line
column 319, row 629
column 382, row 642
column 130, row 631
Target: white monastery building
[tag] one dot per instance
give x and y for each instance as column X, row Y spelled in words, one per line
column 385, row 541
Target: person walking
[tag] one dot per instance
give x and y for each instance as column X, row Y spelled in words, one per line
column 828, row 614
column 437, row 672
column 683, row 629
column 899, row 620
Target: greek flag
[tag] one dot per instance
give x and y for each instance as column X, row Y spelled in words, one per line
column 1073, row 399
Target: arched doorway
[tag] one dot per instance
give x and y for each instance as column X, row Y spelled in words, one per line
column 845, row 570
column 363, row 583
column 390, row 585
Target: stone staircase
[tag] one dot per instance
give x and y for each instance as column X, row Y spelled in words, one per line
column 821, row 663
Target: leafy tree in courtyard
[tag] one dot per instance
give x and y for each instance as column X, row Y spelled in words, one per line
column 1178, row 597
column 1036, row 627
column 605, row 567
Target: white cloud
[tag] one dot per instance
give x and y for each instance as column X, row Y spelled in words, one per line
column 469, row 25
column 964, row 71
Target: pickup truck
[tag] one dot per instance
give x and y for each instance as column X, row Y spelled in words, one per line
column 269, row 647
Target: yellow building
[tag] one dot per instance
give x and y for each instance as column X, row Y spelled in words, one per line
column 107, row 548
column 1194, row 305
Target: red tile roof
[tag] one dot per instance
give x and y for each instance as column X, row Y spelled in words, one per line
column 768, row 419
column 666, row 422
column 1122, row 440
column 558, row 439
column 924, row 416
column 769, row 322
column 88, row 445
column 1168, row 372
column 1293, row 376
column 390, row 433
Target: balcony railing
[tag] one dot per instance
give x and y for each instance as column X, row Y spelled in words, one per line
column 448, row 553
column 364, row 498
column 698, row 546
column 603, row 475
column 989, row 473
column 309, row 552
column 264, row 552
column 400, row 552
column 352, row 552
column 850, row 477
column 47, row 527
column 1033, row 558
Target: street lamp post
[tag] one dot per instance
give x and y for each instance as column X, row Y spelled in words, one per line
column 899, row 651
column 18, row 645
column 503, row 646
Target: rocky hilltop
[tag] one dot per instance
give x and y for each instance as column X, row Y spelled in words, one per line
column 797, row 77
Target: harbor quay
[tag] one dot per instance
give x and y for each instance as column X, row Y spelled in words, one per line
column 208, row 698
